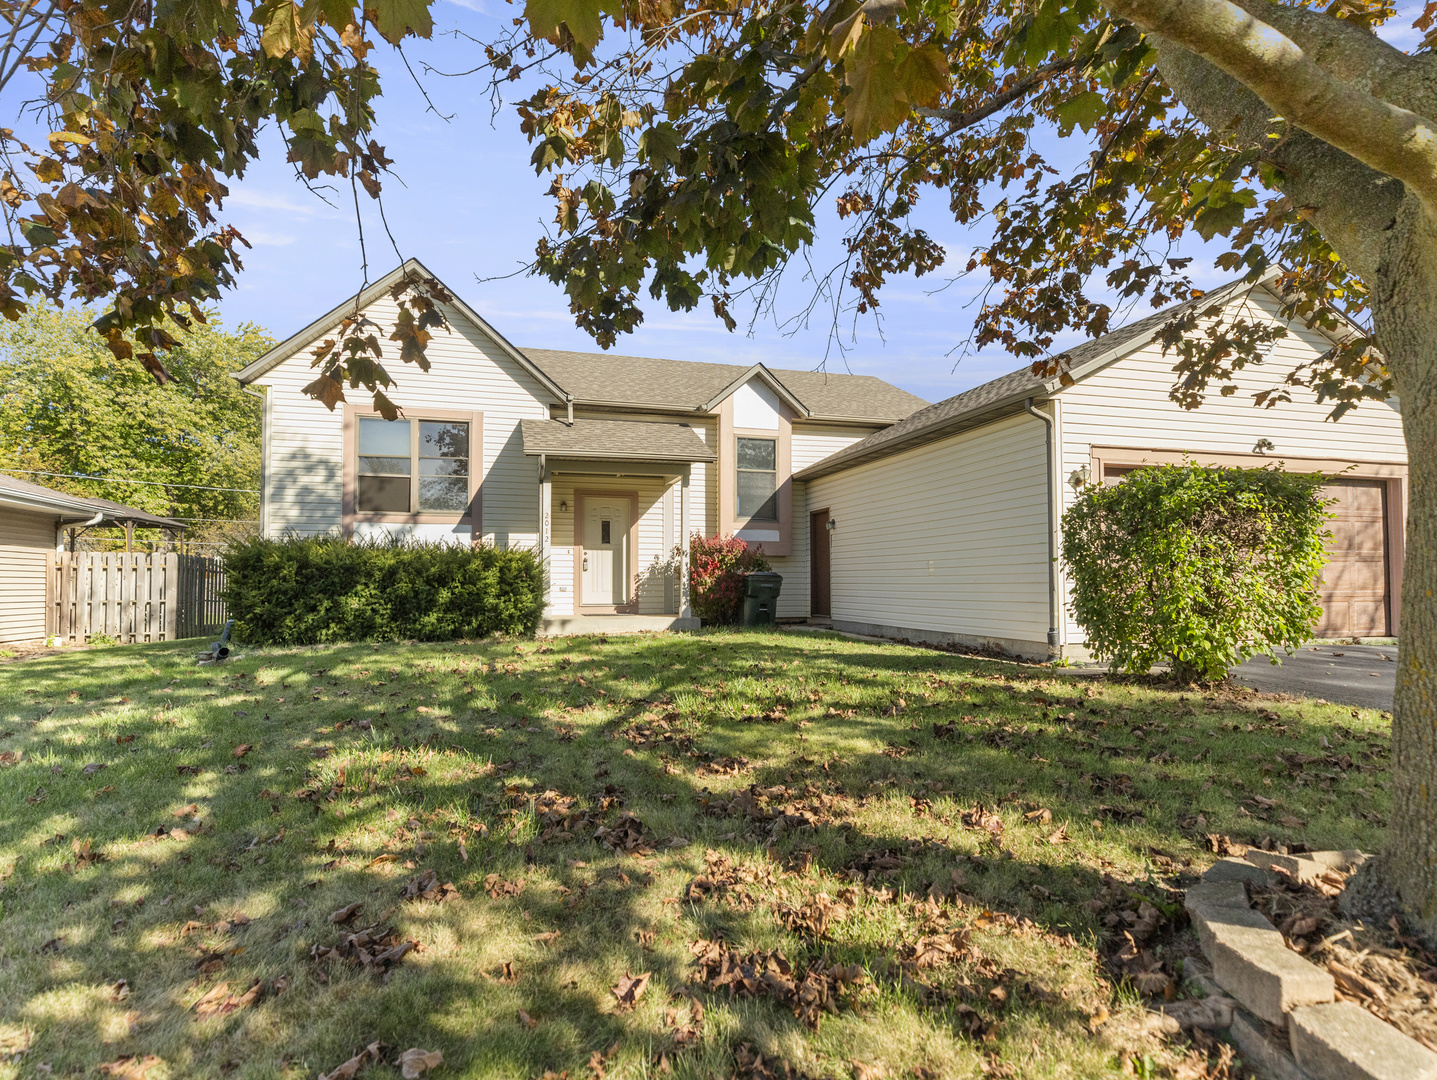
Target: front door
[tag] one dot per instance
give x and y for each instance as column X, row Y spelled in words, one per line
column 820, row 602
column 605, row 572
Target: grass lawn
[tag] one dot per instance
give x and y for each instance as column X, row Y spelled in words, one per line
column 708, row 855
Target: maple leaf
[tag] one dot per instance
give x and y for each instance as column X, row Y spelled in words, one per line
column 396, row 18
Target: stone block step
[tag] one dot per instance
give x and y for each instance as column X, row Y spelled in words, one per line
column 1266, row 977
column 1343, row 1041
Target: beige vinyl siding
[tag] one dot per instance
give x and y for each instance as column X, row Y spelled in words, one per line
column 810, row 443
column 947, row 539
column 27, row 550
column 469, row 372
column 1126, row 405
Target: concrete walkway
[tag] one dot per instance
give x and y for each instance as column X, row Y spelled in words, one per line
column 575, row 625
column 1361, row 675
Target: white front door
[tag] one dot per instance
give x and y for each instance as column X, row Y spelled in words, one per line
column 605, row 572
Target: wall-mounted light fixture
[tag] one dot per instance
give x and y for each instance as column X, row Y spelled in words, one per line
column 832, row 524
column 1080, row 478
column 563, row 505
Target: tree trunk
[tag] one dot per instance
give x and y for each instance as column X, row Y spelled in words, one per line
column 1386, row 236
column 1405, row 312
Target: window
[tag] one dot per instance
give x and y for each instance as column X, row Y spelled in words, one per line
column 605, row 533
column 757, row 479
column 412, row 466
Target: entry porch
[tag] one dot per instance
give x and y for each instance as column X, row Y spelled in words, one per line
column 616, row 498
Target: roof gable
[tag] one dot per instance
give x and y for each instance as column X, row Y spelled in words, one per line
column 326, row 323
column 1009, row 393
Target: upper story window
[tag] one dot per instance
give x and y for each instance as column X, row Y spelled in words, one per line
column 412, row 466
column 757, row 485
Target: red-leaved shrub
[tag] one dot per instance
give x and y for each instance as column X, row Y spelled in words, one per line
column 716, row 568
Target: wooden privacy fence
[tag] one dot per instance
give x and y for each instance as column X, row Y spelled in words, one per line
column 135, row 596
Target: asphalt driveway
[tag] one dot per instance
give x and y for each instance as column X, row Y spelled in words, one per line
column 1361, row 675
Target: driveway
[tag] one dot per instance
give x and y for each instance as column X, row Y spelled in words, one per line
column 1361, row 675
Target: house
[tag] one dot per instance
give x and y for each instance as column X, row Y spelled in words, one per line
column 942, row 527
column 33, row 520
column 884, row 514
column 601, row 462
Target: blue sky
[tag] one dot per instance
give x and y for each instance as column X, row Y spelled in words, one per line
column 470, row 207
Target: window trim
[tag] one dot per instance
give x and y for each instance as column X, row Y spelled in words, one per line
column 726, row 483
column 777, row 513
column 473, row 516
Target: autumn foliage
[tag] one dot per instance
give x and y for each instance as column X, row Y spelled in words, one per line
column 716, row 568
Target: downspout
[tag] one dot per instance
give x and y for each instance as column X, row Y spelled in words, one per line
column 1054, row 600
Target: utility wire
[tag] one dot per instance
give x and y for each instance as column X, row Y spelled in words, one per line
column 148, row 483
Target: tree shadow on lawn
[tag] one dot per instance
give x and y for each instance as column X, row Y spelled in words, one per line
column 472, row 761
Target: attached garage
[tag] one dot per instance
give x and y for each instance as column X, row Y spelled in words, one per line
column 943, row 525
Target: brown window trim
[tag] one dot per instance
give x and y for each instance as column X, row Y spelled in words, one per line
column 728, row 435
column 473, row 517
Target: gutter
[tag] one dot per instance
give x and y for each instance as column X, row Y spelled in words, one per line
column 1054, row 600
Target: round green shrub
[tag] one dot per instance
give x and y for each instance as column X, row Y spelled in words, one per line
column 1203, row 568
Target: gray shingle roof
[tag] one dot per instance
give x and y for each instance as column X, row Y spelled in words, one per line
column 1004, row 395
column 74, row 507
column 627, row 440
column 605, row 378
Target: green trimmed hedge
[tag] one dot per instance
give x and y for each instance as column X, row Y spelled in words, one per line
column 313, row 589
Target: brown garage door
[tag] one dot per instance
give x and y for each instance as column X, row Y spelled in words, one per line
column 1355, row 598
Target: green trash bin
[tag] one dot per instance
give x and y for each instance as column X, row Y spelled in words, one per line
column 760, row 598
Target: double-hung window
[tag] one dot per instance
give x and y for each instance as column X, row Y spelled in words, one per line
column 412, row 466
column 757, row 486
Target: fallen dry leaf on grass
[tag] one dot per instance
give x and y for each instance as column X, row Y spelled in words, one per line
column 413, row 1063
column 242, row 749
column 1042, row 815
column 630, row 989
column 426, row 887
column 130, row 1066
column 862, row 1071
column 373, row 1052
column 344, row 914
column 1060, row 835
column 220, row 1002
column 497, row 887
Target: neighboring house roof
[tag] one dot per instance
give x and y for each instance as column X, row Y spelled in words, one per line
column 634, row 381
column 627, row 440
column 691, row 386
column 327, row 323
column 23, row 495
column 1008, row 394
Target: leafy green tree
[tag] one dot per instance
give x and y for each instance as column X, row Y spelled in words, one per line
column 69, row 405
column 1202, row 568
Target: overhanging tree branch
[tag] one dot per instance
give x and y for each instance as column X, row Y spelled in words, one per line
column 1386, row 137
